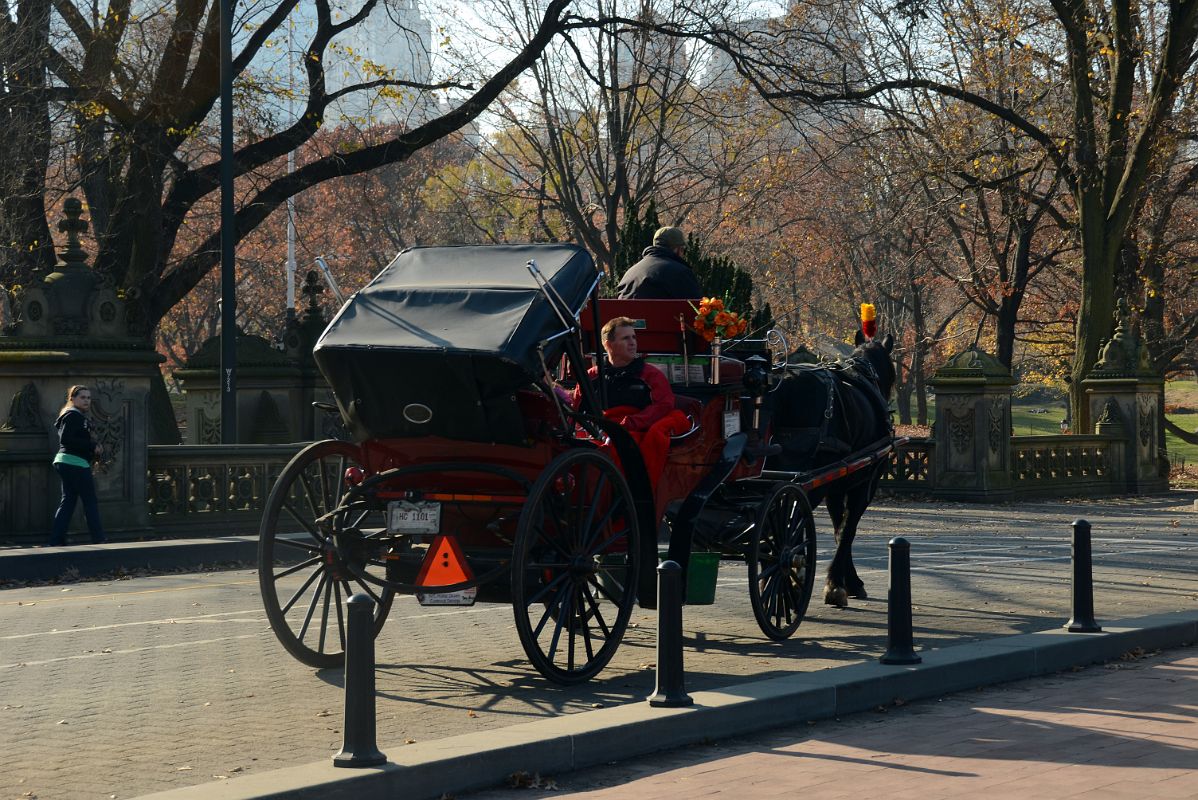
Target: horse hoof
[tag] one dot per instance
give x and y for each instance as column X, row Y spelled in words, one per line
column 858, row 593
column 835, row 596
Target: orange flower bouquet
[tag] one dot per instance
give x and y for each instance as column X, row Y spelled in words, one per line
column 712, row 320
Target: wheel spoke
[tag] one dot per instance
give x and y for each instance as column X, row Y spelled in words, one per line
column 366, row 588
column 545, row 616
column 329, row 586
column 307, row 548
column 557, row 628
column 536, row 598
column 305, row 481
column 597, row 611
column 542, row 534
column 570, row 631
column 608, row 542
column 310, row 527
column 339, row 482
column 316, row 573
column 325, row 494
column 340, row 619
column 296, row 568
column 590, row 517
column 607, row 515
column 312, row 607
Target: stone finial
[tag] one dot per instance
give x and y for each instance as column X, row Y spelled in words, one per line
column 73, row 226
column 1124, row 354
column 71, row 288
column 312, row 289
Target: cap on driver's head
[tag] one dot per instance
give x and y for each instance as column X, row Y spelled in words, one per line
column 670, row 238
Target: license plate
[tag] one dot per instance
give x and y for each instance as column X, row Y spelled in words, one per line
column 406, row 517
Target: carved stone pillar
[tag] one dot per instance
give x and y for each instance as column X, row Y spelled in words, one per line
column 973, row 427
column 267, row 386
column 1126, row 399
column 70, row 329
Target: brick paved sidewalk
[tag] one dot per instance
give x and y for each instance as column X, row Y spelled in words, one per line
column 1126, row 729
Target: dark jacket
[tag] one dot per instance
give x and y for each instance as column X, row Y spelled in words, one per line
column 659, row 275
column 636, row 385
column 74, row 435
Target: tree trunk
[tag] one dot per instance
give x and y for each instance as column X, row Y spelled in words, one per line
column 1095, row 312
column 163, row 428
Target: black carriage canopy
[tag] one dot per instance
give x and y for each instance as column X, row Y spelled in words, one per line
column 439, row 341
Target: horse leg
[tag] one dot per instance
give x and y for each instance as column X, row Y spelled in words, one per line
column 858, row 501
column 835, row 593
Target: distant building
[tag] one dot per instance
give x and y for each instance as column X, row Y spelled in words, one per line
column 393, row 42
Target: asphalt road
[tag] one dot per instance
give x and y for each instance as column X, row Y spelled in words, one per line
column 123, row 688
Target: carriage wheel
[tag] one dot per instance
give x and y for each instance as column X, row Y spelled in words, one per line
column 305, row 594
column 781, row 561
column 574, row 566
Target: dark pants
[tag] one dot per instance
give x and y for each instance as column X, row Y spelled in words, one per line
column 77, row 484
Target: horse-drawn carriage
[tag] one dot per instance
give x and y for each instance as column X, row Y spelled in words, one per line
column 470, row 478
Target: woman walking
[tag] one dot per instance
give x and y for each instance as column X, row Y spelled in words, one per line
column 76, row 451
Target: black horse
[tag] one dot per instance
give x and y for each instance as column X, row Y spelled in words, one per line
column 822, row 414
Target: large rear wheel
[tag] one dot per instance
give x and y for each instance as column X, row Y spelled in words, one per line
column 574, row 566
column 781, row 561
column 304, row 580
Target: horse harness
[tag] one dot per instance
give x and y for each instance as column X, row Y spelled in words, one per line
column 855, row 371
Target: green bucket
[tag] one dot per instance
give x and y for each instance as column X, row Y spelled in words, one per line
column 700, row 577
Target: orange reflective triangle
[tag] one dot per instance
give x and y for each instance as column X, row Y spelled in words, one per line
column 444, row 564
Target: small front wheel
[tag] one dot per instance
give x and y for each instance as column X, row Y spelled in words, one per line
column 306, row 592
column 781, row 561
column 575, row 563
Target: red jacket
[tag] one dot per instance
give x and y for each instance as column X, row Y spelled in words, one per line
column 661, row 398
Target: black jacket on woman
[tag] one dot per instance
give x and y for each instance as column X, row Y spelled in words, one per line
column 75, row 435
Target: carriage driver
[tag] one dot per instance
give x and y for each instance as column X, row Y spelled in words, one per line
column 632, row 385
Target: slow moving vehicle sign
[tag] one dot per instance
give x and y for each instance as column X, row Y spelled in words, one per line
column 444, row 565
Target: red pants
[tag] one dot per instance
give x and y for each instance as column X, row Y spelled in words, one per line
column 654, row 442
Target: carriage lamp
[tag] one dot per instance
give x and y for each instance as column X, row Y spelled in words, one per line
column 354, row 476
column 757, row 374
column 756, row 381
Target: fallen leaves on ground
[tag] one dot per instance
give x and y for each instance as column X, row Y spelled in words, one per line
column 526, row 780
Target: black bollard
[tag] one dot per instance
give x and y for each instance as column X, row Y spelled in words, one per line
column 358, row 748
column 670, row 692
column 900, row 645
column 1083, row 582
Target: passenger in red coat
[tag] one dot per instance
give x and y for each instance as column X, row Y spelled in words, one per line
column 638, row 396
column 640, row 390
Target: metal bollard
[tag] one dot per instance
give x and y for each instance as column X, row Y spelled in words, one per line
column 1082, row 620
column 358, row 748
column 670, row 692
column 900, row 645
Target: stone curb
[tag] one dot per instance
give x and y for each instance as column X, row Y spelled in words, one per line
column 92, row 560
column 575, row 741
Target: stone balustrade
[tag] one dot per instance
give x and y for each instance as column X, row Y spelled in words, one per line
column 206, row 490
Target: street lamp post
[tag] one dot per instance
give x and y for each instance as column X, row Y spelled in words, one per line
column 228, row 296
